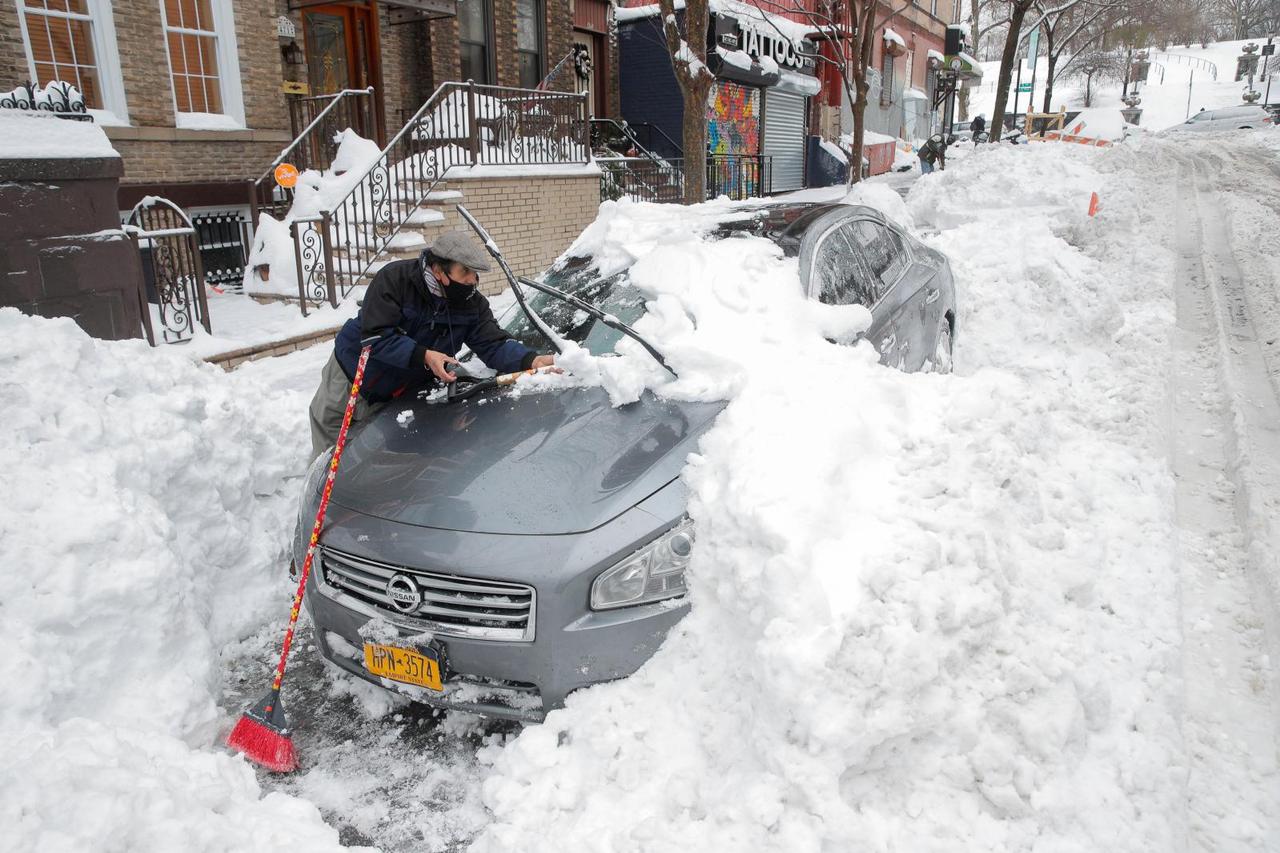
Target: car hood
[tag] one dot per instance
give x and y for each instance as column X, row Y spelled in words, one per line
column 543, row 463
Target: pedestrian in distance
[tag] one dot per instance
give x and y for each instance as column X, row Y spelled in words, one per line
column 933, row 151
column 978, row 126
column 417, row 315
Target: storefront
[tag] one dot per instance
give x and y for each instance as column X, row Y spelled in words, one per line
column 757, row 112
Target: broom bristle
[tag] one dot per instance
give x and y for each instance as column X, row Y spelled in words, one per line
column 263, row 745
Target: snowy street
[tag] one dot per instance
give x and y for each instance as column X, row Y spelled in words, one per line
column 1032, row 605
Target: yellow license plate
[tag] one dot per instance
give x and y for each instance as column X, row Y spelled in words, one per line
column 407, row 666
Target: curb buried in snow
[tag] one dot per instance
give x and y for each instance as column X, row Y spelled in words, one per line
column 233, row 358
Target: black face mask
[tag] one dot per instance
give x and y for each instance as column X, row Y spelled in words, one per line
column 457, row 292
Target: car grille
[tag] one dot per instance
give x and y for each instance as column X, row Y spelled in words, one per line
column 451, row 605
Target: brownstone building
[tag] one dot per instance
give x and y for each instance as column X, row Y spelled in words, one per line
column 196, row 94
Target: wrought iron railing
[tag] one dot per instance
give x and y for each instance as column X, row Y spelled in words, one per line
column 316, row 121
column 461, row 124
column 738, row 176
column 59, row 98
column 173, row 275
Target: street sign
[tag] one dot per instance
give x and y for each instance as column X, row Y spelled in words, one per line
column 1033, row 49
column 1024, row 87
column 1268, row 49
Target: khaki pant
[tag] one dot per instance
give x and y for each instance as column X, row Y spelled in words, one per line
column 330, row 404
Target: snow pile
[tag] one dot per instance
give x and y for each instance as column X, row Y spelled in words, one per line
column 145, row 500
column 31, row 135
column 315, row 192
column 927, row 613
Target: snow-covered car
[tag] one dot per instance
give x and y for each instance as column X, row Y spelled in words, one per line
column 494, row 553
column 1244, row 117
column 963, row 131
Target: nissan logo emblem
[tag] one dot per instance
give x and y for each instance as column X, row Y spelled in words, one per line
column 404, row 593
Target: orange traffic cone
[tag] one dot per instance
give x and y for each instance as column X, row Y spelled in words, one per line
column 1093, row 204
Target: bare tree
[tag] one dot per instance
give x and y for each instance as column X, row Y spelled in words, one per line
column 1017, row 12
column 689, row 60
column 1096, row 66
column 1071, row 30
column 1243, row 18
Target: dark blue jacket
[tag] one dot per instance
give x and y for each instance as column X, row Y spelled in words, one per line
column 407, row 320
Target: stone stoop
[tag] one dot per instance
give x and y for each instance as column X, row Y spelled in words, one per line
column 434, row 217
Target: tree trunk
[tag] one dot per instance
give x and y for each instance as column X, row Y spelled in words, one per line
column 861, row 88
column 1007, row 58
column 1048, row 82
column 694, row 139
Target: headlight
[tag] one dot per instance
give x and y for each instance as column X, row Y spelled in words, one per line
column 653, row 573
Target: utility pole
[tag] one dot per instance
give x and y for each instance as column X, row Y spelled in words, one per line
column 1017, row 89
column 1190, row 81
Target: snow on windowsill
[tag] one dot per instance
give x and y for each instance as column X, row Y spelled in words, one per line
column 208, row 121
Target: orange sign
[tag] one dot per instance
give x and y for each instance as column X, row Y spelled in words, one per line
column 286, row 175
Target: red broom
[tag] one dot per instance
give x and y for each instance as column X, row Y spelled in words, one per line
column 262, row 733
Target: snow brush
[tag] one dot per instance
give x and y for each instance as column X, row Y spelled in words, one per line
column 262, row 733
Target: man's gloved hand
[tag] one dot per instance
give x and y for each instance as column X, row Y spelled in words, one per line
column 437, row 363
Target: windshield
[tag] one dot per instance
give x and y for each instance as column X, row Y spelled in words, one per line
column 578, row 277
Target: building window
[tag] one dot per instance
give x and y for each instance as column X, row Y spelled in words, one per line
column 474, row 35
column 203, row 67
column 933, row 8
column 529, row 42
column 955, row 11
column 73, row 41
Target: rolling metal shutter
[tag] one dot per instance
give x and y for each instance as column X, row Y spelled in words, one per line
column 784, row 132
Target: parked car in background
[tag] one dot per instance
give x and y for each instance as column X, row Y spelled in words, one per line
column 517, row 547
column 1245, row 117
column 963, row 131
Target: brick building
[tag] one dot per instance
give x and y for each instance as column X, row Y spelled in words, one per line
column 195, row 94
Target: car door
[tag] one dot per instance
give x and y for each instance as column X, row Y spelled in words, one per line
column 838, row 276
column 898, row 310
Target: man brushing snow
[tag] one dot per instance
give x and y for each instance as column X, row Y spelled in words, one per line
column 419, row 314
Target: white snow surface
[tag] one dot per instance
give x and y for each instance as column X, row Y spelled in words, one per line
column 31, row 135
column 927, row 612
column 143, row 497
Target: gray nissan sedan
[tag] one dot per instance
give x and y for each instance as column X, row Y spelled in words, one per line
column 493, row 553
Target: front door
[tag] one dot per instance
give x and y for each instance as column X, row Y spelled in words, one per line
column 342, row 53
column 592, row 83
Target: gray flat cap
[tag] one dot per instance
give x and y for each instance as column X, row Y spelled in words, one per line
column 462, row 248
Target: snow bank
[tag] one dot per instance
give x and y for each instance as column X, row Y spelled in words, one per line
column 926, row 610
column 146, row 504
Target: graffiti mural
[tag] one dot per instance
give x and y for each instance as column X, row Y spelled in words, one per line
column 733, row 119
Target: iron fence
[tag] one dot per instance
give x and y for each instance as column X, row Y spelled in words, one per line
column 738, row 176
column 316, row 121
column 224, row 247
column 59, row 99
column 460, row 125
column 173, row 276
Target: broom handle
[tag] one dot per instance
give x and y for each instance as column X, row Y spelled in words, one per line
column 315, row 528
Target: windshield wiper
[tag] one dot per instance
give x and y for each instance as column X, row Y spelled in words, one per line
column 492, row 248
column 608, row 319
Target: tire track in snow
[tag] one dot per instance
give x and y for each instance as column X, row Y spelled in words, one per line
column 1230, row 726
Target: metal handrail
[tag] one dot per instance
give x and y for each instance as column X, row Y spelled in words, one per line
column 306, row 131
column 461, row 124
column 262, row 192
column 625, row 130
column 1193, row 61
column 675, row 146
